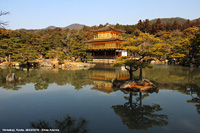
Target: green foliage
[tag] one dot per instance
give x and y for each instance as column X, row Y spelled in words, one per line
column 194, row 48
column 23, row 45
column 178, row 45
column 127, row 61
column 178, row 51
column 50, row 54
column 131, row 65
column 160, row 50
column 146, row 39
column 78, row 50
column 190, row 32
column 141, row 45
column 61, row 58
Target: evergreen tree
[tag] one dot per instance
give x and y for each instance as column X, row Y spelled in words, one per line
column 78, row 50
column 197, row 22
column 176, row 26
column 186, row 25
column 168, row 26
column 117, row 26
column 157, row 26
column 147, row 26
column 140, row 25
column 194, row 50
column 131, row 65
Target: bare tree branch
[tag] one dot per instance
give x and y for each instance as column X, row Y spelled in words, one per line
column 3, row 24
column 4, row 13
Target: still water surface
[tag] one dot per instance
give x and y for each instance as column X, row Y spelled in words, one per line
column 49, row 95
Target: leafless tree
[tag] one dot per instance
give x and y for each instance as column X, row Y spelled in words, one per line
column 2, row 23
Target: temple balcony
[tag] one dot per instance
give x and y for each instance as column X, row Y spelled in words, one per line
column 104, row 47
column 111, row 36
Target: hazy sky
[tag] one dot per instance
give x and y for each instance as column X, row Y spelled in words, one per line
column 36, row 14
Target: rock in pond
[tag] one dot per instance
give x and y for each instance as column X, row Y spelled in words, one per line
column 10, row 77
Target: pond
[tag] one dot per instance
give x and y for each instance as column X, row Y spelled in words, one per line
column 84, row 100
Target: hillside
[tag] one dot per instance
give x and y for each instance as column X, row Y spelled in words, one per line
column 74, row 26
column 170, row 20
column 51, row 27
column 70, row 27
column 198, row 19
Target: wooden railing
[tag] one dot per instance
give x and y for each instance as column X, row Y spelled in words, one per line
column 104, row 47
column 110, row 37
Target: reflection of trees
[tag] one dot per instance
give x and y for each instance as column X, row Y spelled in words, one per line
column 183, row 79
column 169, row 77
column 41, row 82
column 13, row 85
column 43, row 78
column 40, row 85
column 194, row 92
column 138, row 116
column 78, row 80
column 67, row 125
column 195, row 100
column 192, row 89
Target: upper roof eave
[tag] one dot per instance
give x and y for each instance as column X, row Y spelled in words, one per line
column 108, row 28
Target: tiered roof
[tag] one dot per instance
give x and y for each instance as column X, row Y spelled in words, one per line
column 104, row 29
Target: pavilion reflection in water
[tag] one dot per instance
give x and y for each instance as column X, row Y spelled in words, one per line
column 102, row 79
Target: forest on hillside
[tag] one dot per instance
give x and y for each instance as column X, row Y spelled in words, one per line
column 161, row 40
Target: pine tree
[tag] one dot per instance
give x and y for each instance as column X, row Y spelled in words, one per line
column 147, row 26
column 157, row 26
column 197, row 23
column 140, row 25
column 168, row 26
column 186, row 25
column 176, row 26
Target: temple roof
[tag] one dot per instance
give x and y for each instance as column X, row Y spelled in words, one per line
column 107, row 28
column 102, row 40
